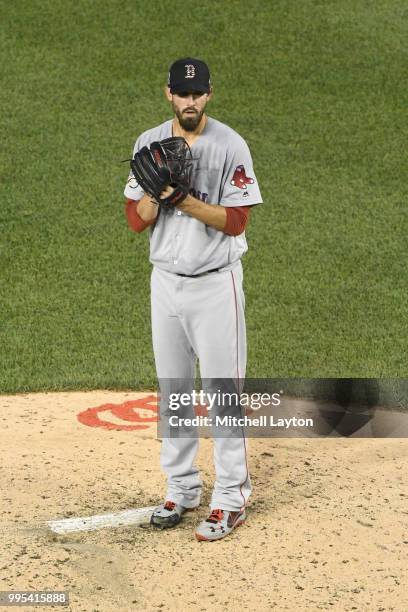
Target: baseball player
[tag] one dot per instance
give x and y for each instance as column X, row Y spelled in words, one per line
column 197, row 299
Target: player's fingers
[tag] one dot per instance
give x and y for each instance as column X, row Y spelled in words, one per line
column 167, row 191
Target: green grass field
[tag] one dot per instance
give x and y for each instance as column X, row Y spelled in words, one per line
column 319, row 91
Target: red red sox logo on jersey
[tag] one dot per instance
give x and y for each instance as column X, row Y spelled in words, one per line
column 240, row 179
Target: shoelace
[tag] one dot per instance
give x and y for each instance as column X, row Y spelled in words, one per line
column 169, row 505
column 215, row 516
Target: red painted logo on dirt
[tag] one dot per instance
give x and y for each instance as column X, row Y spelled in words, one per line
column 240, row 179
column 142, row 412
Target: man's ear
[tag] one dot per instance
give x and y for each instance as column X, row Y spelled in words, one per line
column 167, row 93
column 210, row 95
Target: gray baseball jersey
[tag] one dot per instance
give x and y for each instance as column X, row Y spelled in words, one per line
column 181, row 244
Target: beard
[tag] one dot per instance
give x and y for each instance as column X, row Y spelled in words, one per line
column 187, row 121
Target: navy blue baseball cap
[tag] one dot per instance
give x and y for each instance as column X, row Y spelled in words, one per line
column 189, row 74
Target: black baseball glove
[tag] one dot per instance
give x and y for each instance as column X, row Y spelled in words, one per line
column 168, row 162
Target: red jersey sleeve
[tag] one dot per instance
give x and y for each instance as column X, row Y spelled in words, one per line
column 237, row 219
column 134, row 220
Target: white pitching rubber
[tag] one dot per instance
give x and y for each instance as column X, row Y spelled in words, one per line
column 100, row 521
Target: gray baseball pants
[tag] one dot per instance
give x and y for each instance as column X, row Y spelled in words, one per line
column 200, row 319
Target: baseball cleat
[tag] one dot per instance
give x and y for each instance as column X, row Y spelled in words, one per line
column 219, row 524
column 168, row 515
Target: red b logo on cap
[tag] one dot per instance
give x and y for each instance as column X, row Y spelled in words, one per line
column 190, row 71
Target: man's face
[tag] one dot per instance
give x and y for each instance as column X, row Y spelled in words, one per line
column 189, row 106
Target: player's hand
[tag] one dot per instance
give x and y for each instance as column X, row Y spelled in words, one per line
column 167, row 191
